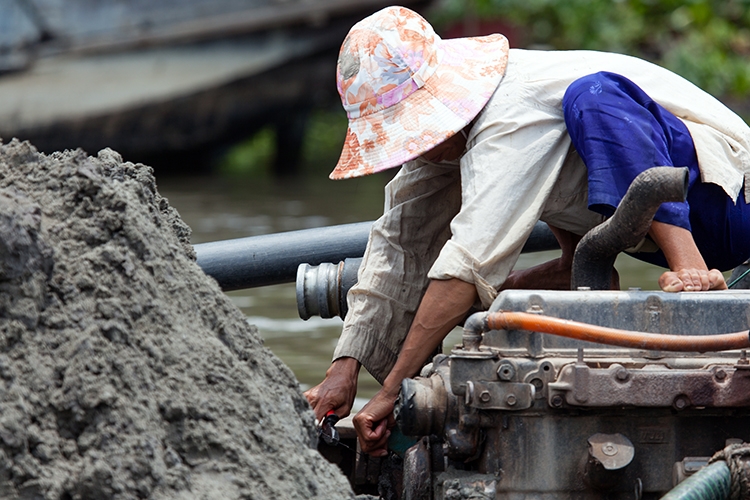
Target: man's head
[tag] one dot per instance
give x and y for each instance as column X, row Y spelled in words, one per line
column 405, row 90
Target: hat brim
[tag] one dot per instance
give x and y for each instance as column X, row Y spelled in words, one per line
column 467, row 75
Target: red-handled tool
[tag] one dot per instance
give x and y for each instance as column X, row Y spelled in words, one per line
column 328, row 430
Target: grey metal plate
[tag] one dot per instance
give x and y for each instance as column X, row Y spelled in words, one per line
column 697, row 313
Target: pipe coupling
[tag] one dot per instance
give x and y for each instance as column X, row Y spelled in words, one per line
column 322, row 290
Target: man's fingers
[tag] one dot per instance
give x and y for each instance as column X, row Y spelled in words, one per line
column 674, row 286
column 670, row 282
column 391, row 423
column 716, row 280
column 312, row 396
column 367, row 430
column 374, row 441
column 380, row 448
column 700, row 280
column 692, row 280
column 325, row 397
column 315, row 401
column 372, row 424
column 373, row 429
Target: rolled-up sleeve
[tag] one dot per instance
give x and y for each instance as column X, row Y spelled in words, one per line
column 518, row 147
column 420, row 203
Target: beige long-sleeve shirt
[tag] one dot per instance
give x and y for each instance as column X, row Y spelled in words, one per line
column 469, row 220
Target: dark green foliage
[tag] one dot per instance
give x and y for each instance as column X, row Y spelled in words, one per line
column 706, row 41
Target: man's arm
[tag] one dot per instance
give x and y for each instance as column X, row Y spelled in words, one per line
column 443, row 306
column 688, row 271
column 419, row 205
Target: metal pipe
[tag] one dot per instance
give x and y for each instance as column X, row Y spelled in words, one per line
column 322, row 290
column 596, row 252
column 603, row 335
column 273, row 258
column 541, row 239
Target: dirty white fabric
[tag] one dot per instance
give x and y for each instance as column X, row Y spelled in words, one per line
column 470, row 221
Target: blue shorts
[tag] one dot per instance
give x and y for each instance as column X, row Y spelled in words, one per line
column 619, row 132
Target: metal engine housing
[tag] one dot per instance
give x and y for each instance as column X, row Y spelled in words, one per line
column 532, row 415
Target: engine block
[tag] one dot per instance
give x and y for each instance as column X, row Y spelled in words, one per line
column 531, row 415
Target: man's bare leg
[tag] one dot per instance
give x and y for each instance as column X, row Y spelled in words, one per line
column 555, row 274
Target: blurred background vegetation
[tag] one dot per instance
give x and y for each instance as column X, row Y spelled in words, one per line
column 706, row 41
column 324, row 137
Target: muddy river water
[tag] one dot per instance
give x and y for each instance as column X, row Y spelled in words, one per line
column 219, row 208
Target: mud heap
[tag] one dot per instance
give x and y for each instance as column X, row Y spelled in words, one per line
column 124, row 371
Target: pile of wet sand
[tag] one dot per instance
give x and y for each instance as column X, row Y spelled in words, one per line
column 124, row 371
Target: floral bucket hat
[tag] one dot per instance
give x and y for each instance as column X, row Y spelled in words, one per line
column 405, row 90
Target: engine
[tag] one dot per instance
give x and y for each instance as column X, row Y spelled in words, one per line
column 516, row 414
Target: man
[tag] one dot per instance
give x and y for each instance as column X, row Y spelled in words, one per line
column 492, row 140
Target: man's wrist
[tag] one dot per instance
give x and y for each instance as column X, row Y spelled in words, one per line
column 344, row 366
column 391, row 387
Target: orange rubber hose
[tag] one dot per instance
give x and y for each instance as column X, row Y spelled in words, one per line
column 613, row 336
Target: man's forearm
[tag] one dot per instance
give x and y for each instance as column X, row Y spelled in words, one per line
column 444, row 305
column 678, row 246
column 688, row 270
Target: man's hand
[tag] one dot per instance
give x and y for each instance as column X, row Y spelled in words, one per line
column 373, row 424
column 443, row 305
column 688, row 271
column 337, row 391
column 692, row 280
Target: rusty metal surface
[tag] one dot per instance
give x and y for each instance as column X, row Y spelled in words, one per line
column 543, row 451
column 593, row 421
column 465, row 487
column 417, row 469
column 423, row 403
column 658, row 386
column 511, row 396
column 547, row 453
